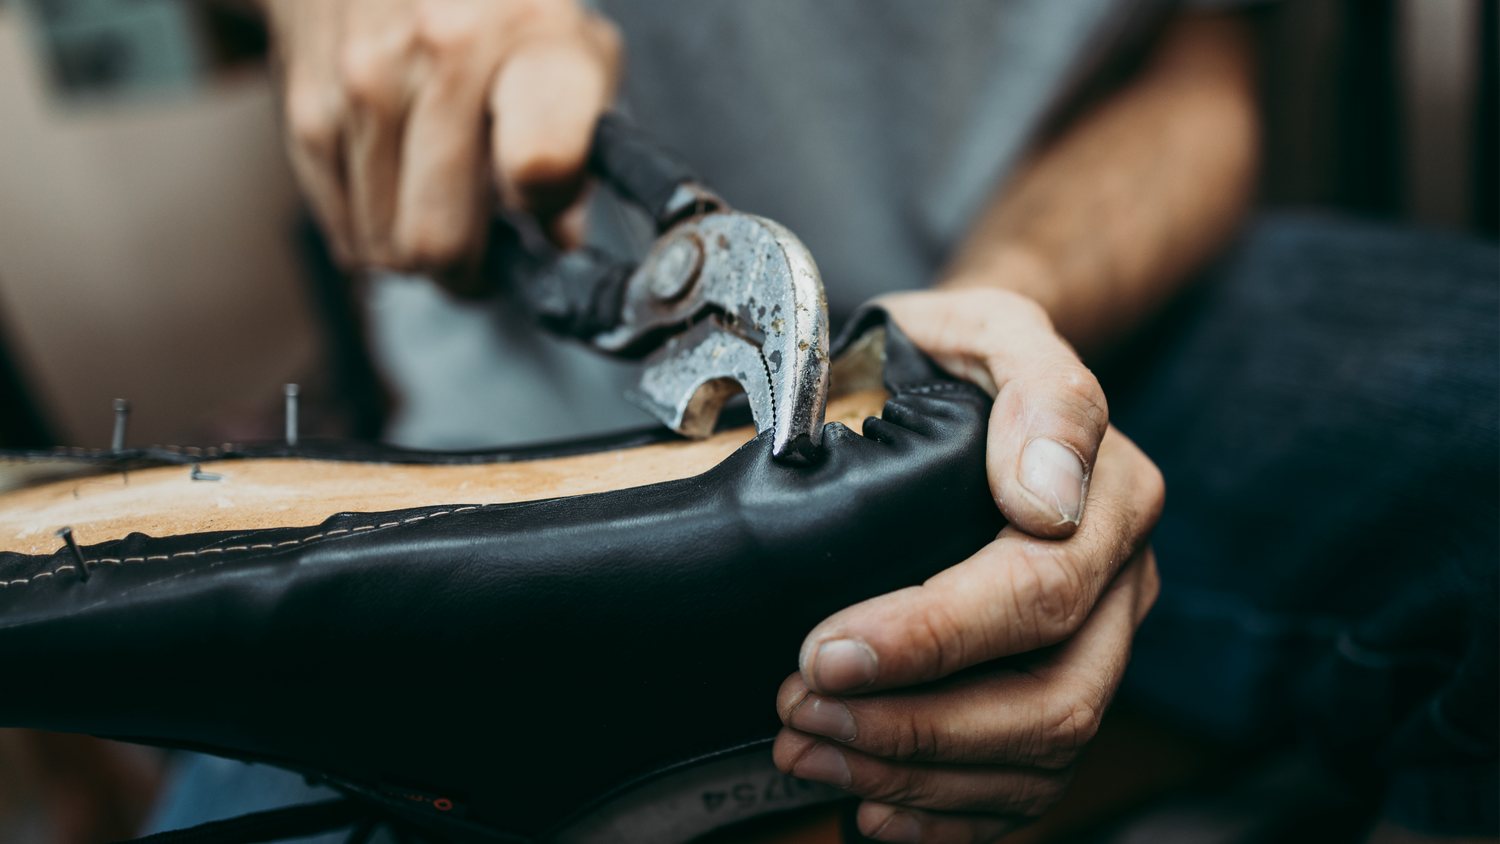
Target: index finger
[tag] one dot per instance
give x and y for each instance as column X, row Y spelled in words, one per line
column 1017, row 594
column 545, row 102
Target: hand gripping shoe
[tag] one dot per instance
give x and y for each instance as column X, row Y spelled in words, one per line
column 584, row 668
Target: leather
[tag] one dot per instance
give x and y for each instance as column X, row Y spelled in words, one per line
column 527, row 662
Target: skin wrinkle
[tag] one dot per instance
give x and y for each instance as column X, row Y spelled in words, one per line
column 925, row 738
column 1050, row 602
column 961, row 633
column 925, row 630
column 1071, row 727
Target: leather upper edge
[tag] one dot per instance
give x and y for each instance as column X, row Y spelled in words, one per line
column 905, row 366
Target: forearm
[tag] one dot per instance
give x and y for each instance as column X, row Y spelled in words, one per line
column 1106, row 223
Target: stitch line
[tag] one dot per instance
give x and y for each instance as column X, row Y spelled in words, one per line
column 117, row 561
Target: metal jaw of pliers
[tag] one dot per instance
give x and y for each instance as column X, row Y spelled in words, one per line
column 725, row 302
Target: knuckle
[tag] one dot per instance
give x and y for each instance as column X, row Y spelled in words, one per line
column 444, row 32
column 607, row 39
column 1049, row 591
column 1070, row 723
column 938, row 640
column 1077, row 387
column 310, row 122
column 917, row 739
column 365, row 70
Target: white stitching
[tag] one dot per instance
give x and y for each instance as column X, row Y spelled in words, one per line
column 117, row 561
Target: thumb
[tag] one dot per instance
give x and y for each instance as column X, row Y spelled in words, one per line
column 1049, row 414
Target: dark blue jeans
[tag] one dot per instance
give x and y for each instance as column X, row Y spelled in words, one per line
column 1324, row 410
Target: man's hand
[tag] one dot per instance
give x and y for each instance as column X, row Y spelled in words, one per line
column 399, row 112
column 956, row 708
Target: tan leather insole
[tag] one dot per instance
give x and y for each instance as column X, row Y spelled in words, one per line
column 274, row 493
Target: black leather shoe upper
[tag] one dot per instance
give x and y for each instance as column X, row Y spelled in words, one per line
column 506, row 667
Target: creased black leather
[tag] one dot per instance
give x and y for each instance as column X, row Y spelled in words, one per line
column 522, row 659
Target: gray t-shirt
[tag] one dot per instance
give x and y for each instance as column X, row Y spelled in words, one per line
column 873, row 129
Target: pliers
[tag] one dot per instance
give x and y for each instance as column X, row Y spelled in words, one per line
column 724, row 302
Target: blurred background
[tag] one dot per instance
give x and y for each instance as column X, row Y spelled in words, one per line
column 153, row 246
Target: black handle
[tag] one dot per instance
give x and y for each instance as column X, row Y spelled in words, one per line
column 579, row 294
column 645, row 172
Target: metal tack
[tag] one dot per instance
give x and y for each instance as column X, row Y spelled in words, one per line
column 122, row 422
column 66, row 535
column 291, row 391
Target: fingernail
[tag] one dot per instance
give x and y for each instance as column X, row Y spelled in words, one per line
column 824, row 716
column 900, row 828
column 844, row 664
column 824, row 763
column 1053, row 473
